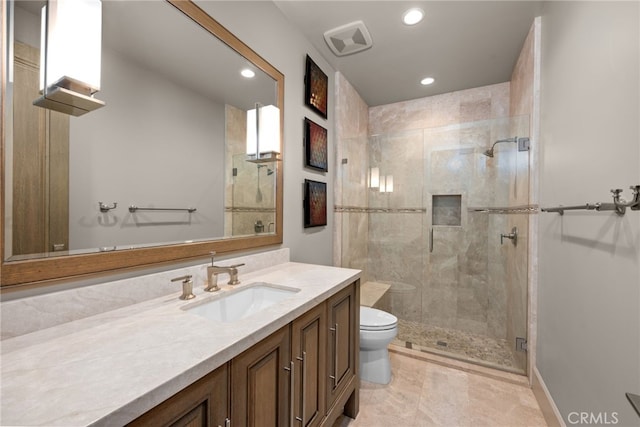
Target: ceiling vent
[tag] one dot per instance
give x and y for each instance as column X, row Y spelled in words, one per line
column 348, row 39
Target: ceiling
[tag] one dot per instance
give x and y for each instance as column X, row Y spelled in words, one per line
column 462, row 44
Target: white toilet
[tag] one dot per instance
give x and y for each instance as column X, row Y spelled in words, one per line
column 377, row 329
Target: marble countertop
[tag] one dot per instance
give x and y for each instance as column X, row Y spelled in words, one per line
column 110, row 368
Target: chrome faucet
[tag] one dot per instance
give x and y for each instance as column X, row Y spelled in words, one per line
column 212, row 276
column 214, row 270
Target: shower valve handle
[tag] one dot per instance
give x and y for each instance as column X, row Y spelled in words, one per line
column 513, row 236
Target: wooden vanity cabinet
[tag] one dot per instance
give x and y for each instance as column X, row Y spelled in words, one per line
column 260, row 379
column 308, row 353
column 303, row 375
column 205, row 403
column 343, row 315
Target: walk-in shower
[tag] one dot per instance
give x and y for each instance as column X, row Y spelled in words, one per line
column 434, row 241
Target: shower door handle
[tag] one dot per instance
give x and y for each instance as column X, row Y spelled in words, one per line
column 431, row 240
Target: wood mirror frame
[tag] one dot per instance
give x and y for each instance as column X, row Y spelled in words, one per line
column 42, row 271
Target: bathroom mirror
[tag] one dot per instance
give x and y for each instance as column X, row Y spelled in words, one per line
column 157, row 175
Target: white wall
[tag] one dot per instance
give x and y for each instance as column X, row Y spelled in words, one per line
column 142, row 150
column 261, row 25
column 588, row 350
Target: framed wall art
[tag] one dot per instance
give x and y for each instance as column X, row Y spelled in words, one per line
column 315, row 203
column 316, row 84
column 315, row 145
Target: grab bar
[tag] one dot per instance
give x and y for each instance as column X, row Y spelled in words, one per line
column 134, row 208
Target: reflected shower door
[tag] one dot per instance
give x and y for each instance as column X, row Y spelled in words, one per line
column 251, row 209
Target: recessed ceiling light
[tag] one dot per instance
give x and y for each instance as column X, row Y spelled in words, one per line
column 427, row 81
column 247, row 73
column 413, row 16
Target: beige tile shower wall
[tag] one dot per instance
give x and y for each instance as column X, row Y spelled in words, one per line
column 433, row 146
column 351, row 227
column 483, row 103
column 522, row 192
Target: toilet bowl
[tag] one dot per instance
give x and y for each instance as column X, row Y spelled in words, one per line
column 377, row 329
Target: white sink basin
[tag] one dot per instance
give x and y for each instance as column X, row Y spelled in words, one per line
column 238, row 304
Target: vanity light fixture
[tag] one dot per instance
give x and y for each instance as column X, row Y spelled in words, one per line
column 263, row 134
column 386, row 184
column 247, row 73
column 374, row 177
column 70, row 56
column 413, row 16
column 427, row 81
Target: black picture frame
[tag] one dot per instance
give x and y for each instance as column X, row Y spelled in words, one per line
column 315, row 146
column 315, row 203
column 316, row 87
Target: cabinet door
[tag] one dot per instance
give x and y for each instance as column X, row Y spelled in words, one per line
column 260, row 383
column 308, row 352
column 344, row 341
column 204, row 403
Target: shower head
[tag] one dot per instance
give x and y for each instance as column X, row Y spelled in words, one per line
column 489, row 152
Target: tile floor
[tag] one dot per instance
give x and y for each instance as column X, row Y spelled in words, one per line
column 423, row 393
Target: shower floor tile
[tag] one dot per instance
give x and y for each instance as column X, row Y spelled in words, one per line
column 462, row 345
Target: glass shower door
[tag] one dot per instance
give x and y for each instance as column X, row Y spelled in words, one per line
column 474, row 300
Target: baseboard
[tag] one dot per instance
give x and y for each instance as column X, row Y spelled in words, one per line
column 545, row 401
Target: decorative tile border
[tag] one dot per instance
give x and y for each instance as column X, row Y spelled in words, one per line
column 528, row 209
column 248, row 209
column 354, row 209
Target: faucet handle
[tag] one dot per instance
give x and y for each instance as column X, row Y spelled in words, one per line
column 236, row 265
column 187, row 286
column 233, row 274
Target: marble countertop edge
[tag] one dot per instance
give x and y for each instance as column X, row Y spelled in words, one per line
column 127, row 338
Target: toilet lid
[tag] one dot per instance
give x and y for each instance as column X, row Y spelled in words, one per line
column 372, row 319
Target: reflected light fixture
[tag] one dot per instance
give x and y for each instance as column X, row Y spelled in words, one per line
column 427, row 81
column 70, row 56
column 386, row 184
column 413, row 16
column 263, row 134
column 374, row 177
column 247, row 73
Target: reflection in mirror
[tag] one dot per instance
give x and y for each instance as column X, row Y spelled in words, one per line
column 71, row 46
column 172, row 136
